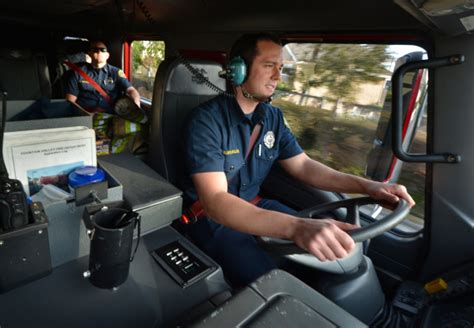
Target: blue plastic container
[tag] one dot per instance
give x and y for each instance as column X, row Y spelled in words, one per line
column 85, row 175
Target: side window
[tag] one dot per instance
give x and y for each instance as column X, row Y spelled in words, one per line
column 335, row 98
column 146, row 57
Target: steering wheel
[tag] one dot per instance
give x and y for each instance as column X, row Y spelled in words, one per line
column 350, row 262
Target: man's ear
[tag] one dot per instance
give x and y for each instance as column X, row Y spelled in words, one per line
column 108, row 55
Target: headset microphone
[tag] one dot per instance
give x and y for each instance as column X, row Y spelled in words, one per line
column 248, row 95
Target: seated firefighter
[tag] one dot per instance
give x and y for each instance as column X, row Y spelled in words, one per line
column 104, row 90
column 225, row 169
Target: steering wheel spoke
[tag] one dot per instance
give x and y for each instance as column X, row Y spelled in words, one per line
column 353, row 214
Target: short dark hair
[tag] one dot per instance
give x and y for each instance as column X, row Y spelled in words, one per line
column 246, row 46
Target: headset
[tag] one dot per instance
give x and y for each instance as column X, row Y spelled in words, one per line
column 235, row 71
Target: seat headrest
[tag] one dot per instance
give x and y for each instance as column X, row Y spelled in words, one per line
column 181, row 80
column 15, row 54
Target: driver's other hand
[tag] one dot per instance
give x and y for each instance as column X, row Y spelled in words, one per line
column 326, row 238
column 389, row 192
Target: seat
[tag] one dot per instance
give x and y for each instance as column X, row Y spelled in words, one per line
column 24, row 75
column 176, row 92
column 73, row 50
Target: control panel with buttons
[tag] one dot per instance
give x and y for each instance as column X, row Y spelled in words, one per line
column 181, row 264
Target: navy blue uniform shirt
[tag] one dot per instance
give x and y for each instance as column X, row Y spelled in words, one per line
column 217, row 139
column 110, row 78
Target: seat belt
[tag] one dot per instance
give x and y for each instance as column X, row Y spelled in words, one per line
column 96, row 86
column 196, row 211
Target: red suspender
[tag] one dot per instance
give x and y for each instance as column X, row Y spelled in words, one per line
column 253, row 139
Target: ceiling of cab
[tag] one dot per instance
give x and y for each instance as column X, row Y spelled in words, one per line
column 452, row 17
column 149, row 16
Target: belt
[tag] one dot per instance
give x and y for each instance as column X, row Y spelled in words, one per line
column 196, row 211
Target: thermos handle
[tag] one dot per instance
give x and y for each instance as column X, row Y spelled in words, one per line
column 138, row 225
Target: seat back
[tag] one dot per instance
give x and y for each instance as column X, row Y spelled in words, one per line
column 176, row 92
column 73, row 50
column 24, row 75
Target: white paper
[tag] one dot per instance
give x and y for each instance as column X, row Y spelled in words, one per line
column 41, row 157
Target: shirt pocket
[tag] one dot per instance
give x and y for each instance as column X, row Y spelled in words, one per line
column 265, row 158
column 109, row 84
column 86, row 86
column 265, row 154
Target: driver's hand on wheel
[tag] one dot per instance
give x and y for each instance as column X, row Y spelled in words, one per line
column 324, row 238
column 389, row 192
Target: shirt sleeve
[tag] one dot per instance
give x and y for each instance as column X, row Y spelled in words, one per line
column 71, row 83
column 122, row 80
column 289, row 146
column 203, row 149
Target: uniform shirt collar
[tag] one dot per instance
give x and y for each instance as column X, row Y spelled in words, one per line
column 105, row 68
column 237, row 115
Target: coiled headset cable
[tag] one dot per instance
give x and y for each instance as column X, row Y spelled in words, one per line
column 201, row 78
column 193, row 70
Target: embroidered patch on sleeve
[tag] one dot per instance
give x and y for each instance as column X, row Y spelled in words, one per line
column 121, row 73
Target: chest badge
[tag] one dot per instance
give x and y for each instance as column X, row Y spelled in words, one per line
column 269, row 139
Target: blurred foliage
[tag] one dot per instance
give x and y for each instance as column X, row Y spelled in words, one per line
column 343, row 143
column 338, row 68
column 146, row 57
column 147, row 54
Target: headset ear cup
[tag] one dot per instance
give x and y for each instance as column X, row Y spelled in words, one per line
column 237, row 71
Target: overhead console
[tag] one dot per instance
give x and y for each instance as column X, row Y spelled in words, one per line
column 451, row 17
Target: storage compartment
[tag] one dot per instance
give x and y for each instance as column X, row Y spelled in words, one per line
column 145, row 191
column 44, row 114
column 24, row 254
column 68, row 238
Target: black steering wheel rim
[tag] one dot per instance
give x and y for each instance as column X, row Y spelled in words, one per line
column 352, row 205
